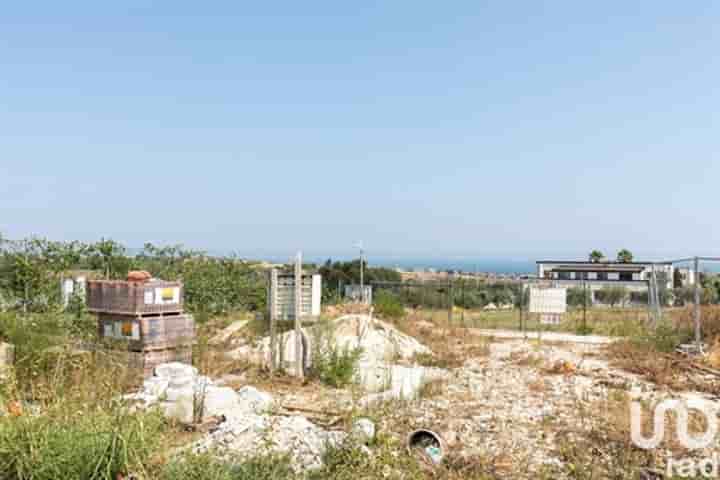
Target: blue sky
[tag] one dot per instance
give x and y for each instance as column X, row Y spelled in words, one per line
column 485, row 129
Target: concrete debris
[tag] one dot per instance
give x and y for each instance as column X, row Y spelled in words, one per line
column 251, row 434
column 175, row 370
column 379, row 341
column 389, row 382
column 226, row 334
column 363, row 431
column 253, row 400
column 7, row 358
column 249, row 425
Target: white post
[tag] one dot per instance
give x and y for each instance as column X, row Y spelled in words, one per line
column 272, row 308
column 698, row 335
column 298, row 314
column 362, row 280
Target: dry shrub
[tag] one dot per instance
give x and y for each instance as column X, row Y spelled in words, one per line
column 537, row 386
column 525, row 359
column 432, row 389
column 560, row 367
column 451, row 346
column 475, row 467
column 684, row 320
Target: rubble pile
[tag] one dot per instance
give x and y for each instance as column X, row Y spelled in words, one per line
column 382, row 345
column 514, row 406
column 247, row 425
column 252, row 434
column 379, row 341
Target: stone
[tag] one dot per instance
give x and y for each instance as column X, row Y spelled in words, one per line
column 155, row 386
column 7, row 354
column 253, row 400
column 221, row 401
column 295, row 436
column 227, row 333
column 175, row 370
column 386, row 382
column 363, row 430
column 182, row 409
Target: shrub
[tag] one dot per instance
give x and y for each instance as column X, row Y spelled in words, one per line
column 665, row 338
column 388, row 305
column 102, row 445
column 350, row 461
column 578, row 296
column 336, row 366
column 612, row 295
column 193, row 466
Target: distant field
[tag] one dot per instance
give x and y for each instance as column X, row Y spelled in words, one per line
column 602, row 321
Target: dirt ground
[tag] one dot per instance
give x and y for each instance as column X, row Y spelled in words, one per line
column 510, row 407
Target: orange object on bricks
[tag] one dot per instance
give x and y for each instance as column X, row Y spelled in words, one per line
column 15, row 409
column 138, row 276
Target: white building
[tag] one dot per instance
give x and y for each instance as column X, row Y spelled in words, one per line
column 634, row 276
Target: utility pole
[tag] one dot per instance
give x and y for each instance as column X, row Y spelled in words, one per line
column 362, row 272
column 584, row 304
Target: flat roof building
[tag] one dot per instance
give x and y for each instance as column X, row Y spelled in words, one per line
column 634, row 276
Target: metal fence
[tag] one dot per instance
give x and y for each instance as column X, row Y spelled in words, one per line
column 687, row 303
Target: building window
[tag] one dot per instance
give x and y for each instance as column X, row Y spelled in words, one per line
column 602, row 275
column 564, row 275
column 626, row 276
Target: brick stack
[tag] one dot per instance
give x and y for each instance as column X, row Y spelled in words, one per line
column 145, row 316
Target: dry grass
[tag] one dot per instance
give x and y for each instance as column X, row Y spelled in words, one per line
column 451, row 346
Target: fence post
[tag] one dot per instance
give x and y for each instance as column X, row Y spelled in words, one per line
column 450, row 302
column 298, row 314
column 698, row 336
column 273, row 318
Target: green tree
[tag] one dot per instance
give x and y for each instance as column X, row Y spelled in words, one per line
column 578, row 296
column 612, row 295
column 596, row 256
column 110, row 257
column 625, row 256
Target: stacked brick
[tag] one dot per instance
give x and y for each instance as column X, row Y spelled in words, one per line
column 145, row 316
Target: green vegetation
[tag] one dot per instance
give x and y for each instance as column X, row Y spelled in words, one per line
column 332, row 365
column 596, row 256
column 578, row 296
column 30, row 271
column 192, row 466
column 612, row 295
column 625, row 256
column 336, row 275
column 101, row 444
column 351, row 461
column 388, row 306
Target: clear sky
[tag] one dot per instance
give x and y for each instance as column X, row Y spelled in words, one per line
column 511, row 129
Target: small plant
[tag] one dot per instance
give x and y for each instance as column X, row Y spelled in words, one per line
column 350, row 461
column 584, row 330
column 337, row 366
column 388, row 306
column 431, row 389
column 192, row 466
column 331, row 364
column 102, row 445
